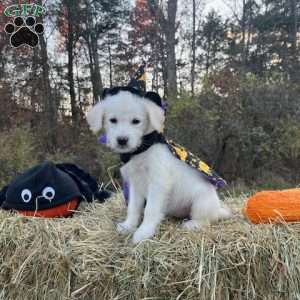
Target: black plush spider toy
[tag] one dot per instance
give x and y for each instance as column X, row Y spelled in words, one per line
column 50, row 190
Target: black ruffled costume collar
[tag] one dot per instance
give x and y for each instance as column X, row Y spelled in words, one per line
column 148, row 141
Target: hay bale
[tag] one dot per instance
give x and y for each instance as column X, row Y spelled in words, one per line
column 84, row 258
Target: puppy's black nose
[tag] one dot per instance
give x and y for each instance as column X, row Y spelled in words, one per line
column 122, row 141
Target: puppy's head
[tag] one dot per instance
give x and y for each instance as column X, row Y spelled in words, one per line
column 126, row 118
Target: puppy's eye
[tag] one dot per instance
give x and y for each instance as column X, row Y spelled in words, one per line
column 135, row 121
column 113, row 120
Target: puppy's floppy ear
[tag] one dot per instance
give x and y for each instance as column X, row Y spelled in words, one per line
column 95, row 116
column 154, row 97
column 104, row 93
column 156, row 116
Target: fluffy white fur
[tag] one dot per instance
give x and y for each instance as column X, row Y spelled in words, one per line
column 171, row 187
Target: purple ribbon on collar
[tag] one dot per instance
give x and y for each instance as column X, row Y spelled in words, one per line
column 164, row 105
column 102, row 139
column 126, row 192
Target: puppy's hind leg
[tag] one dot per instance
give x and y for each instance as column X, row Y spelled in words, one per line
column 206, row 209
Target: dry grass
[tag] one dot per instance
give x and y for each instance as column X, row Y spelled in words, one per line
column 84, row 258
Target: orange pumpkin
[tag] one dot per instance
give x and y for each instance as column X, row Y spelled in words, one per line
column 273, row 206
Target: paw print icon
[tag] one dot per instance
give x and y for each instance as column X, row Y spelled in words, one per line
column 24, row 31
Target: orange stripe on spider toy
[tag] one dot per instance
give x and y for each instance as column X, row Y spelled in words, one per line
column 273, row 206
column 64, row 210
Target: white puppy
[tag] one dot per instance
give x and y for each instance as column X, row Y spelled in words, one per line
column 169, row 185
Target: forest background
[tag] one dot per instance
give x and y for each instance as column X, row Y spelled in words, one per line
column 232, row 82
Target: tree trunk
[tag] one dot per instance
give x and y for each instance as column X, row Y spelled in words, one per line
column 171, row 43
column 244, row 34
column 34, row 69
column 293, row 61
column 96, row 78
column 193, row 50
column 70, row 51
column 207, row 57
column 110, row 66
column 74, row 108
column 249, row 33
column 167, row 42
column 91, row 66
column 49, row 100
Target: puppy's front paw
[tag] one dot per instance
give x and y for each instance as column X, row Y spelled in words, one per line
column 143, row 233
column 125, row 227
column 192, row 225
